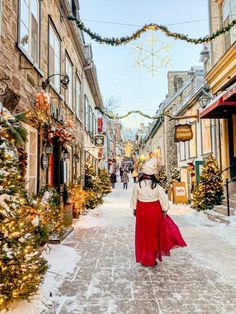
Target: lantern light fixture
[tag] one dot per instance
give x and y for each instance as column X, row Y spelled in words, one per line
column 64, row 81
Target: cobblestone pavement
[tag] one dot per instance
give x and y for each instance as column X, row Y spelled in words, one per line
column 106, row 279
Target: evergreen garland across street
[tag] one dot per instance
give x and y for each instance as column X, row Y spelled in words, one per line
column 154, row 27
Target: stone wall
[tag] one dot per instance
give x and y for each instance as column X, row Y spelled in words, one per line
column 170, row 145
column 26, row 78
column 217, row 46
column 176, row 80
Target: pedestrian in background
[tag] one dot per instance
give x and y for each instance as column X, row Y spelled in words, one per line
column 125, row 180
column 113, row 179
column 121, row 174
column 156, row 233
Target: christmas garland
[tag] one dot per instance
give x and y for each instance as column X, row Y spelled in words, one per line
column 154, row 27
column 128, row 114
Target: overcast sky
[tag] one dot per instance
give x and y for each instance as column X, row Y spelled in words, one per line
column 135, row 87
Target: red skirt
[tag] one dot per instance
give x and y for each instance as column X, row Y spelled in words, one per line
column 155, row 234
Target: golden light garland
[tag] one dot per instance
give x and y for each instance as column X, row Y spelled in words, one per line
column 152, row 26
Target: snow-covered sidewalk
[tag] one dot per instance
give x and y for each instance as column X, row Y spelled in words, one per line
column 94, row 270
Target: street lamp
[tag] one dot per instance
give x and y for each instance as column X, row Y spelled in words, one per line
column 204, row 99
column 64, row 81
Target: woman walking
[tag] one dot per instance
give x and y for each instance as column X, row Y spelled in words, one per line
column 156, row 233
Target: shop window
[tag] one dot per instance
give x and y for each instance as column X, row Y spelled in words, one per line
column 229, row 14
column 32, row 152
column 206, row 136
column 182, row 151
column 69, row 90
column 54, row 57
column 78, row 108
column 29, row 25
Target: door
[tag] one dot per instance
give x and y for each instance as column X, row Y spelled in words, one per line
column 56, row 163
column 232, row 145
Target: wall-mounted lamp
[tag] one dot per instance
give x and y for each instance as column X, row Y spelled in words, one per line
column 204, row 99
column 64, row 81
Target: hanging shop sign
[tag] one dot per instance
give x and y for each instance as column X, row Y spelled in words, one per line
column 99, row 140
column 44, row 161
column 183, row 132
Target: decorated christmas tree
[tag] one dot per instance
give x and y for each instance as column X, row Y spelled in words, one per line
column 93, row 187
column 210, row 189
column 78, row 197
column 161, row 176
column 175, row 175
column 104, row 177
column 21, row 266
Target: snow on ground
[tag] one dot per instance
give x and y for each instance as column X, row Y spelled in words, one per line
column 210, row 245
column 61, row 260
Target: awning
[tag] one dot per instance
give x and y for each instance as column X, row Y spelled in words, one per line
column 222, row 106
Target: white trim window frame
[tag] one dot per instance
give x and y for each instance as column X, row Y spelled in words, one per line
column 69, row 90
column 54, row 57
column 228, row 15
column 78, row 98
column 29, row 29
column 31, row 149
column 182, row 151
column 87, row 113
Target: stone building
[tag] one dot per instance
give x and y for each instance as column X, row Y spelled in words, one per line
column 160, row 137
column 39, row 46
column 191, row 153
column 221, row 78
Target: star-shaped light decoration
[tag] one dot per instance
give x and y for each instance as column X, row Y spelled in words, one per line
column 153, row 54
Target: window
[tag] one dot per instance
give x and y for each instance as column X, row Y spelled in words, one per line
column 206, row 136
column 95, row 125
column 31, row 150
column 90, row 120
column 69, row 90
column 54, row 57
column 77, row 98
column 193, row 143
column 86, row 113
column 74, row 6
column 182, row 151
column 68, row 166
column 29, row 19
column 229, row 14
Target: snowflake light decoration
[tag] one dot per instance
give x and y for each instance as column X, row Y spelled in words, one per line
column 151, row 55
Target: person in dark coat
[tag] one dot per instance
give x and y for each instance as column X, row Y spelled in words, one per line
column 121, row 174
column 113, row 180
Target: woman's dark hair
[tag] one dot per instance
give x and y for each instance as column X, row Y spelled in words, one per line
column 154, row 180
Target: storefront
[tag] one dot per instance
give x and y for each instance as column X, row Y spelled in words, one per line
column 223, row 108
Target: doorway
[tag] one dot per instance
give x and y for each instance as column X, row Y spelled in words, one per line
column 232, row 145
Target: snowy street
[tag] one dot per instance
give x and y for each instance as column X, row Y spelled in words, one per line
column 94, row 270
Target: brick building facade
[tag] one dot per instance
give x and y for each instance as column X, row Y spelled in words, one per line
column 37, row 41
